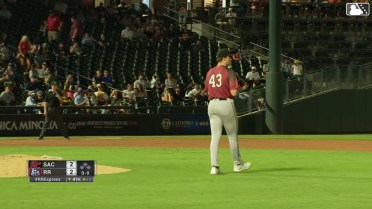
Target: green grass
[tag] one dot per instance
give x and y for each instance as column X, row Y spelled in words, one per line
column 307, row 137
column 180, row 179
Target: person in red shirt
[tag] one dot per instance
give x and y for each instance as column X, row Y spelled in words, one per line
column 76, row 32
column 221, row 85
column 24, row 48
column 53, row 25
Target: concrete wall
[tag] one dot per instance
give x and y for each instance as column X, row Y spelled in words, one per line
column 343, row 111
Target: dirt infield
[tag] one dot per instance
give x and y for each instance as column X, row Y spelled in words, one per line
column 350, row 145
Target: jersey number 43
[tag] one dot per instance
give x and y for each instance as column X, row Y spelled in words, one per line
column 215, row 80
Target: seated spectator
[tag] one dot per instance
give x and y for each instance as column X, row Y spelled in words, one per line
column 167, row 97
column 297, row 69
column 49, row 78
column 32, row 72
column 102, row 97
column 7, row 80
column 39, row 99
column 97, row 78
column 81, row 100
column 128, row 95
column 107, row 79
column 140, row 93
column 4, row 53
column 178, row 96
column 253, row 75
column 68, row 82
column 194, row 93
column 30, row 102
column 102, row 42
column 127, row 33
column 7, row 97
column 75, row 49
column 139, row 34
column 170, row 81
column 42, row 71
column 141, row 80
column 33, row 84
column 88, row 41
column 155, row 82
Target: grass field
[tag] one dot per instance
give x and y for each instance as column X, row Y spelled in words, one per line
column 179, row 178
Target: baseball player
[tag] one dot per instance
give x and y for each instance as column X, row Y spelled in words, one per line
column 221, row 86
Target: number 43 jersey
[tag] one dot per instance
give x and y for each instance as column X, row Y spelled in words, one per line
column 219, row 82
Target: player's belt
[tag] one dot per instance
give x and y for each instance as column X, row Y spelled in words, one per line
column 219, row 98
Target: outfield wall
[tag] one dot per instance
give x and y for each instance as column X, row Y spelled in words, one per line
column 342, row 111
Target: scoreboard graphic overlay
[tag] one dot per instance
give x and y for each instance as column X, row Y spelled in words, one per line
column 61, row 170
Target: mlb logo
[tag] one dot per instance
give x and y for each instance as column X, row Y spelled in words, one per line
column 357, row 9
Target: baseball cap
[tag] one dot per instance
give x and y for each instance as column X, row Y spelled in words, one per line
column 40, row 92
column 54, row 83
column 223, row 53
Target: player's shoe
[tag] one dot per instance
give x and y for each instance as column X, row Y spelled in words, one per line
column 67, row 138
column 215, row 170
column 40, row 138
column 242, row 166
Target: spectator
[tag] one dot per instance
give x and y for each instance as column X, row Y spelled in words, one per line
column 170, row 81
column 7, row 80
column 195, row 92
column 42, row 71
column 297, row 69
column 253, row 75
column 127, row 33
column 54, row 24
column 76, row 31
column 286, row 67
column 81, row 100
column 102, row 97
column 178, row 96
column 128, row 95
column 107, row 79
column 231, row 18
column 39, row 98
column 49, row 78
column 97, row 78
column 167, row 97
column 4, row 53
column 24, row 48
column 7, row 97
column 33, row 84
column 30, row 102
column 140, row 92
column 88, row 41
column 185, row 38
column 75, row 49
column 102, row 42
column 68, row 82
column 141, row 80
column 155, row 82
column 139, row 34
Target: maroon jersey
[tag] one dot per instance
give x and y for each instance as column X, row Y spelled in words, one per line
column 53, row 23
column 219, row 82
